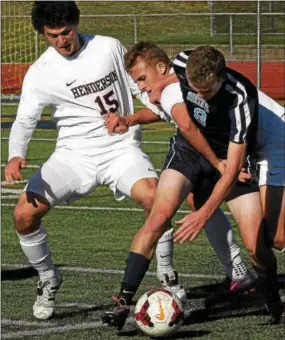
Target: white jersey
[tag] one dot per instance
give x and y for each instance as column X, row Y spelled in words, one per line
column 80, row 89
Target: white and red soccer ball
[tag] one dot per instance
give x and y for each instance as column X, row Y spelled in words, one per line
column 159, row 313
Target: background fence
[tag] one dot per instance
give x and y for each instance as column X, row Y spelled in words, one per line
column 250, row 34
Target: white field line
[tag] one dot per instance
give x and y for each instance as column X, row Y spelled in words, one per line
column 9, row 322
column 67, row 207
column 58, row 329
column 53, row 330
column 10, row 191
column 15, row 182
column 10, row 197
column 54, row 140
column 18, row 191
column 113, row 271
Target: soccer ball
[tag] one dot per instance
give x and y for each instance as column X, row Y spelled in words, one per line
column 158, row 313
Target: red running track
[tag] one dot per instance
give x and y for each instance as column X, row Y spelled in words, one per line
column 272, row 77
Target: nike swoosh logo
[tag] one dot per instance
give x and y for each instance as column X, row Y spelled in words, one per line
column 161, row 315
column 68, row 84
column 273, row 173
column 163, row 256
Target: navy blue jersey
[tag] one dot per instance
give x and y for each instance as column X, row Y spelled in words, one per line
column 230, row 116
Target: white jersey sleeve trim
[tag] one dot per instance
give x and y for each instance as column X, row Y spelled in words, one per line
column 241, row 111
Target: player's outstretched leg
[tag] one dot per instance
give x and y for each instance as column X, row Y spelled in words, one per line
column 137, row 266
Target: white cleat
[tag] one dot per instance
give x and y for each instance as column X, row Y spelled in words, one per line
column 170, row 282
column 45, row 303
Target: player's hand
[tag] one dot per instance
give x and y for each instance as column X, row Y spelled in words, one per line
column 13, row 169
column 190, row 227
column 115, row 123
column 244, row 176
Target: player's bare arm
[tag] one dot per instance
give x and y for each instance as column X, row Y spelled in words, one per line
column 192, row 224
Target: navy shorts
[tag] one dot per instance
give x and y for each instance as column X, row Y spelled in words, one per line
column 202, row 175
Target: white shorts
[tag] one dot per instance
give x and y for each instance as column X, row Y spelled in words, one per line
column 274, row 176
column 67, row 175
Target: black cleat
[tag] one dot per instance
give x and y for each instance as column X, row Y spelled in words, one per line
column 276, row 312
column 118, row 316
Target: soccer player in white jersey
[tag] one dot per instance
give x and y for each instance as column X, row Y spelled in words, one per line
column 81, row 77
column 178, row 176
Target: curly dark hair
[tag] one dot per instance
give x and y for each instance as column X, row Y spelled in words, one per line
column 54, row 14
column 205, row 63
column 147, row 50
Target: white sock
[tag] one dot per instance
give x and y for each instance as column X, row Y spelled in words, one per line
column 164, row 252
column 35, row 247
column 220, row 234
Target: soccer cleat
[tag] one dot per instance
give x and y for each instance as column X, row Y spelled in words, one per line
column 246, row 283
column 227, row 289
column 170, row 282
column 45, row 303
column 118, row 316
column 276, row 312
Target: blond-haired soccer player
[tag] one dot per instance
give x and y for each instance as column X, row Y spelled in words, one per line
column 225, row 107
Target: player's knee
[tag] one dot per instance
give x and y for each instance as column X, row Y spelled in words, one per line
column 27, row 218
column 154, row 229
column 22, row 217
column 160, row 218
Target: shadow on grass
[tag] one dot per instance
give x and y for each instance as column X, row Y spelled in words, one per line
column 188, row 334
column 81, row 312
column 204, row 291
column 20, row 273
column 202, row 316
column 177, row 335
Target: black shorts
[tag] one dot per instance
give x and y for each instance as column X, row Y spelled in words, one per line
column 202, row 175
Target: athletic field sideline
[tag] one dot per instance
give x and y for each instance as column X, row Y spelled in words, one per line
column 89, row 241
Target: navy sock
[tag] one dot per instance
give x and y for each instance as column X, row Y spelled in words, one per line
column 137, row 266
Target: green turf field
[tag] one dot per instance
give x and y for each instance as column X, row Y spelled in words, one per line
column 89, row 242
